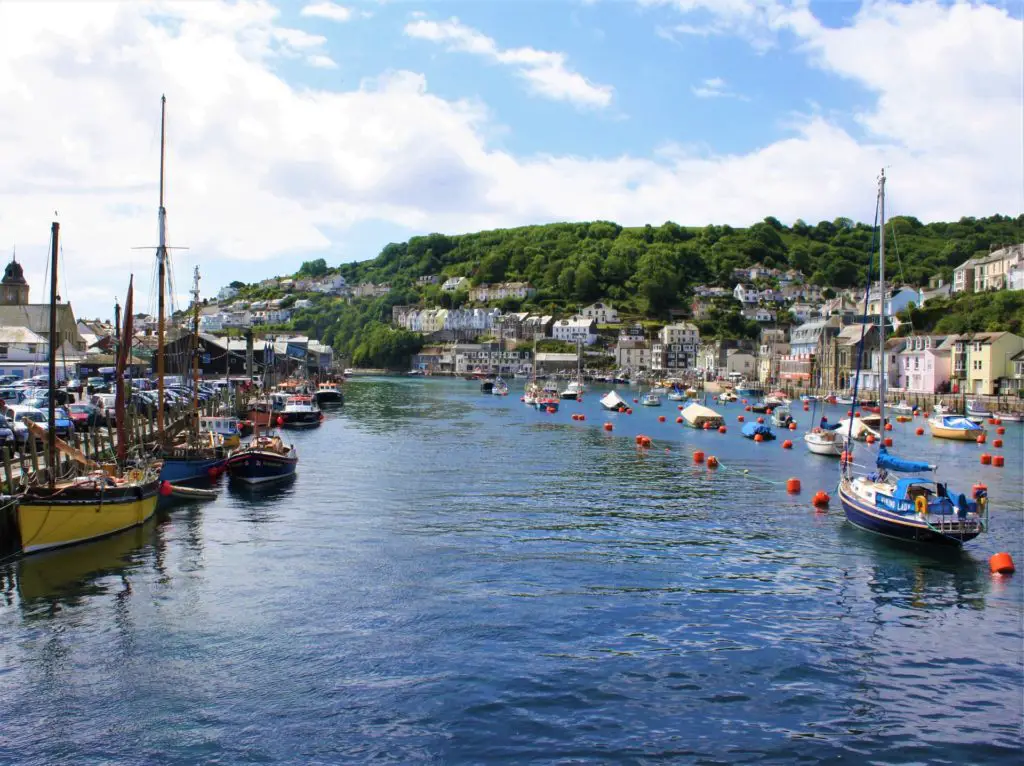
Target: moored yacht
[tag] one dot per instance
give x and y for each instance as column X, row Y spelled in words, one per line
column 300, row 411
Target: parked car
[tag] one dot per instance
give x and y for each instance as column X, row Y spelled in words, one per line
column 97, row 385
column 105, row 403
column 10, row 395
column 86, row 416
column 16, row 414
column 7, row 435
column 7, row 380
column 63, row 425
column 74, row 385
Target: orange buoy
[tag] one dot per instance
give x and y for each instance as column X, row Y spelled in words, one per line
column 806, row 408
column 768, row 411
column 857, row 414
column 712, row 462
column 997, row 443
column 999, row 421
column 739, row 418
column 760, row 420
column 552, row 410
column 707, row 426
column 787, row 444
column 997, row 461
column 980, row 439
column 926, row 414
column 1001, row 430
column 629, row 410
column 758, row 438
column 661, row 418
column 1002, row 563
column 986, row 459
column 635, row 401
column 582, row 416
column 747, row 408
column 608, row 426
column 888, row 426
column 821, row 499
column 793, row 486
column 792, row 426
column 744, row 401
column 849, row 413
column 846, row 457
column 870, row 439
column 721, row 429
column 919, row 432
column 679, row 420
column 991, row 421
column 698, row 457
column 887, row 441
column 680, row 408
column 639, row 438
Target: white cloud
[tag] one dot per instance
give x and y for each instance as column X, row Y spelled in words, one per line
column 320, row 61
column 715, row 87
column 756, row 20
column 258, row 168
column 546, row 73
column 326, row 10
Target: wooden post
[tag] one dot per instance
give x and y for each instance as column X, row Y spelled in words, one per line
column 34, row 451
column 110, row 440
column 8, row 475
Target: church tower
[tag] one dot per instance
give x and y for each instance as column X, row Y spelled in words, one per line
column 13, row 287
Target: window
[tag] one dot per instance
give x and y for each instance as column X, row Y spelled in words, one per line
column 3, row 350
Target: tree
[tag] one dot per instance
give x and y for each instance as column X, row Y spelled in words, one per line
column 313, row 269
column 237, row 285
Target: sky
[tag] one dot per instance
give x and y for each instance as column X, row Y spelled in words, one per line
column 308, row 129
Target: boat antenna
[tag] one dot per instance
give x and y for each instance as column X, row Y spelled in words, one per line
column 195, row 351
column 881, row 299
column 51, row 417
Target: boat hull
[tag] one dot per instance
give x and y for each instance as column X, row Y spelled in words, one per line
column 832, row 448
column 956, row 434
column 296, row 420
column 189, row 469
column 870, row 519
column 261, row 466
column 74, row 515
column 330, row 397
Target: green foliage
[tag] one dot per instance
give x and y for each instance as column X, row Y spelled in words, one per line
column 969, row 312
column 313, row 269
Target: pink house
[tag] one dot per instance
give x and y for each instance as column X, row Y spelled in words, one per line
column 925, row 363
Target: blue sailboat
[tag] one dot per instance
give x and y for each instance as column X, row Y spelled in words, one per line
column 911, row 508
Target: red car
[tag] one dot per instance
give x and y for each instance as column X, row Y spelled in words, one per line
column 85, row 416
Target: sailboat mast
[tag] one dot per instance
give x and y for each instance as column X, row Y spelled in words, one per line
column 51, row 417
column 881, row 299
column 161, row 260
column 195, row 348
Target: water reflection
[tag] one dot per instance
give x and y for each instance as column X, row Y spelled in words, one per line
column 67, row 577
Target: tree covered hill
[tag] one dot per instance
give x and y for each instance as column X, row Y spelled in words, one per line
column 643, row 271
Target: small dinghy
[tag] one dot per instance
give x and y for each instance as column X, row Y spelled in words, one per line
column 753, row 430
column 612, row 401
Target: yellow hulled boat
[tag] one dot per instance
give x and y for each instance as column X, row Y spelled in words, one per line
column 86, row 508
column 954, row 427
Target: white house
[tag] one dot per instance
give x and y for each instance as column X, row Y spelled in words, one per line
column 576, row 328
column 22, row 352
column 602, row 313
column 302, row 303
column 227, row 293
column 745, row 293
column 455, row 283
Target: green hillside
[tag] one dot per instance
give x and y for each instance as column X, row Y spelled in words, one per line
column 643, row 271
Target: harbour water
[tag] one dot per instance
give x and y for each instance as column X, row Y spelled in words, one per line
column 456, row 578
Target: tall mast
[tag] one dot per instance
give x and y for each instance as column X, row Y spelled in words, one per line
column 161, row 260
column 881, row 298
column 195, row 349
column 51, row 426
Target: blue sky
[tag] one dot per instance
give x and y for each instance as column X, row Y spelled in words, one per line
column 299, row 130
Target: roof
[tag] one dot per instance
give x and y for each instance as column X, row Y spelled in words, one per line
column 851, row 334
column 19, row 335
column 36, row 316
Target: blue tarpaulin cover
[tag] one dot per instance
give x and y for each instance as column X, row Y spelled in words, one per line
column 893, row 463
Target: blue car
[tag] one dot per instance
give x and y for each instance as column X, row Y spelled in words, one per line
column 64, row 426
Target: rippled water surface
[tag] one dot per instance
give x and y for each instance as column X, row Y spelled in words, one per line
column 456, row 578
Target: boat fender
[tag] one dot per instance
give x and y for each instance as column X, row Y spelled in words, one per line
column 921, row 505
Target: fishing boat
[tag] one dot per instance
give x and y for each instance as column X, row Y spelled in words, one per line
column 227, row 429
column 500, row 387
column 912, row 508
column 612, row 401
column 650, row 399
column 92, row 501
column 487, row 386
column 976, row 410
column 955, row 427
column 753, row 430
column 300, row 411
column 746, row 390
column 847, row 400
column 782, row 417
column 825, row 441
column 1011, row 417
column 675, row 394
column 777, row 398
column 263, row 460
column 328, row 392
column 574, row 390
column 726, row 397
column 698, row 416
column 903, row 408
